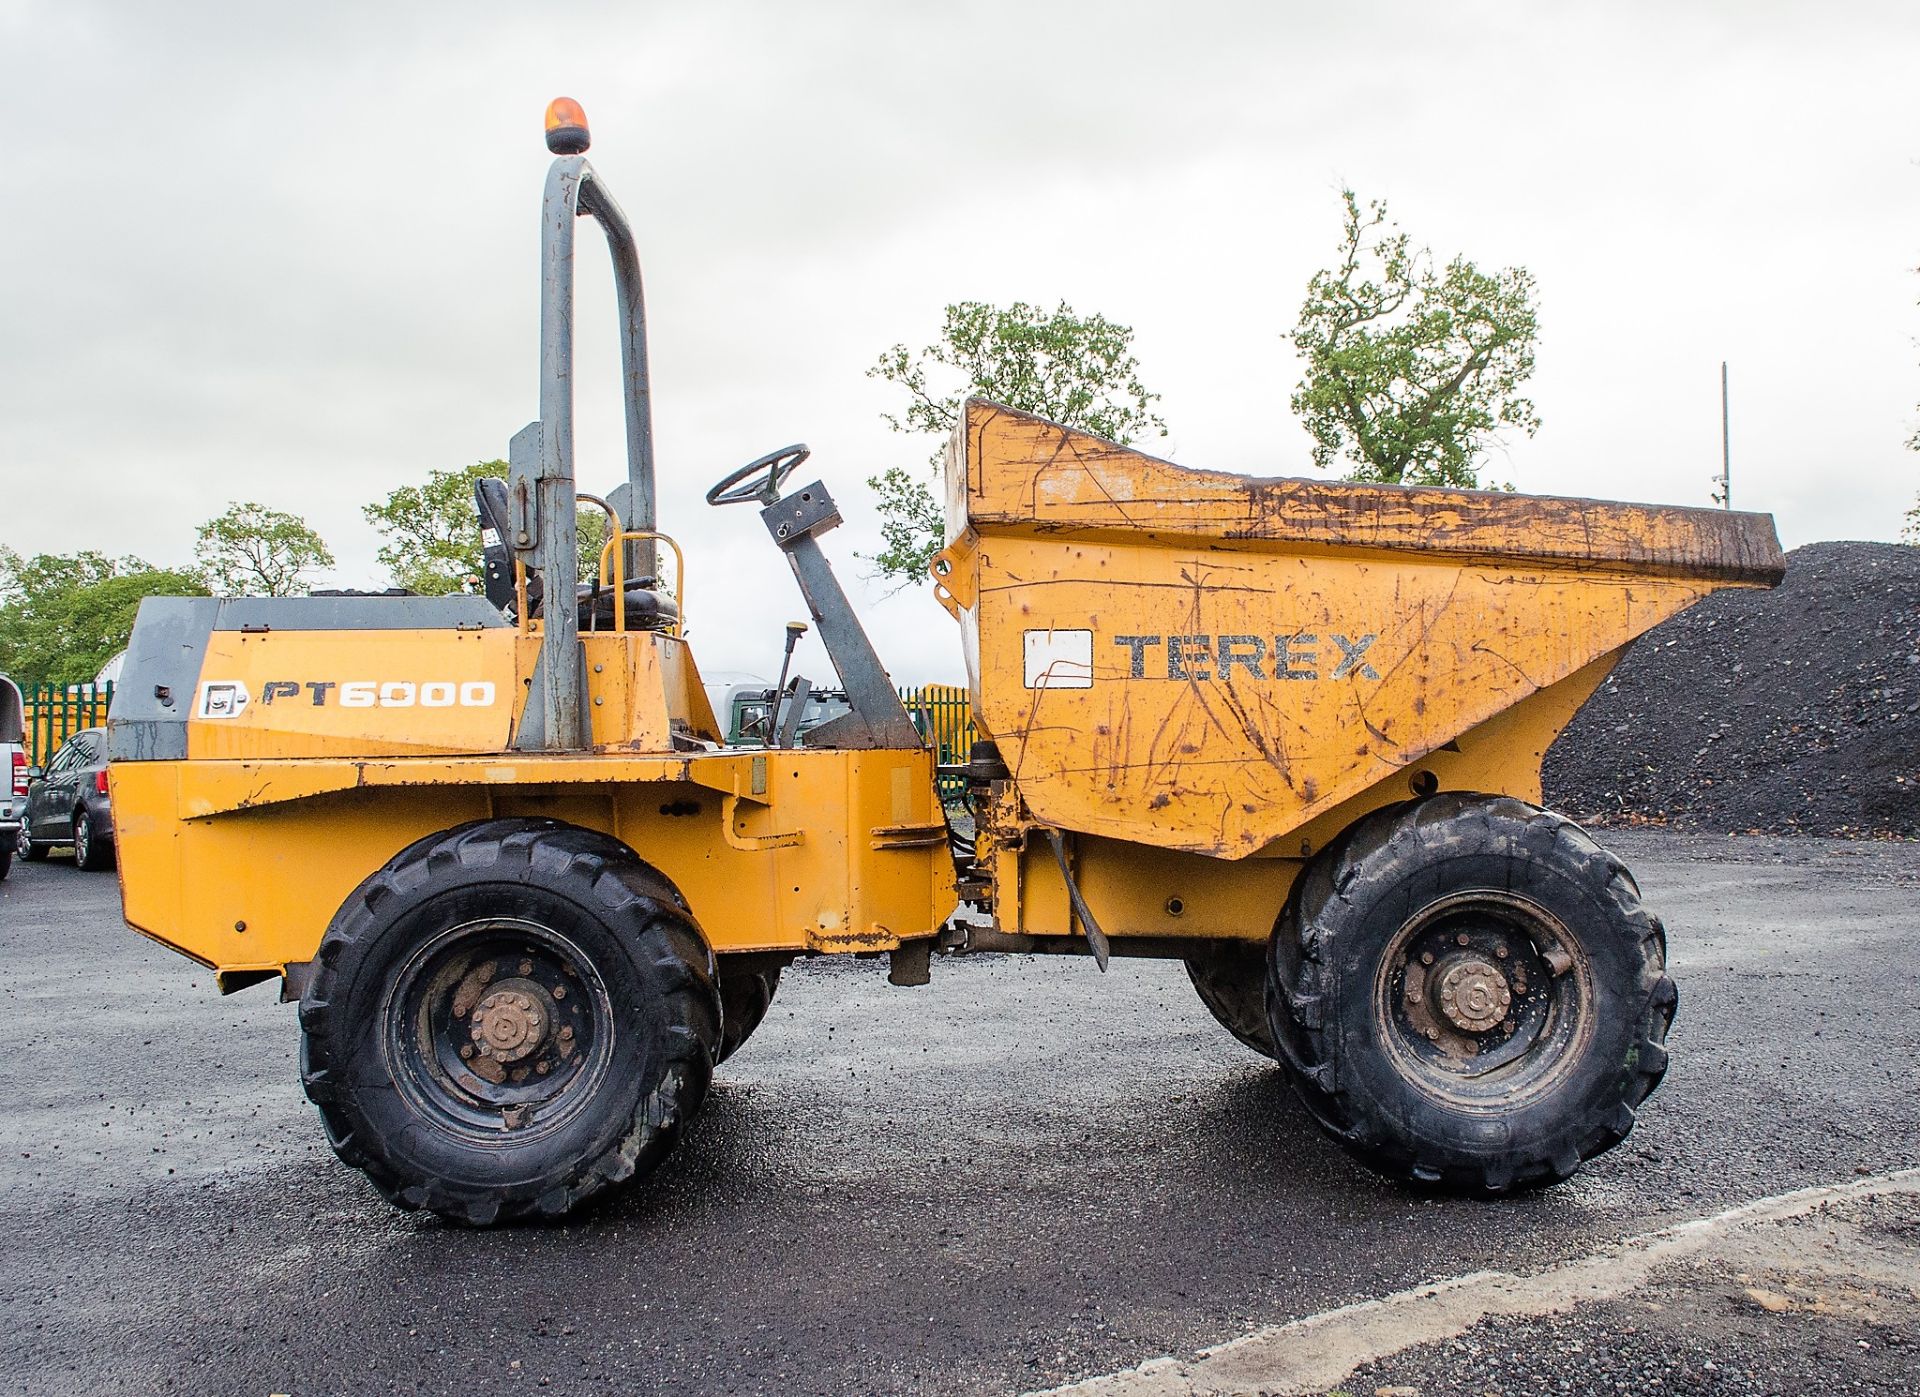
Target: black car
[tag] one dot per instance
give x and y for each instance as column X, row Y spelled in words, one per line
column 67, row 804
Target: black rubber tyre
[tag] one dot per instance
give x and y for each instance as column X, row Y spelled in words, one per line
column 91, row 853
column 1232, row 980
column 747, row 985
column 29, row 848
column 441, row 970
column 6, row 859
column 1469, row 994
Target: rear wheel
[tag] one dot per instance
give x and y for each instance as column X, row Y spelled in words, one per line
column 1470, row 994
column 507, row 1019
column 6, row 859
column 91, row 853
column 1232, row 980
column 747, row 984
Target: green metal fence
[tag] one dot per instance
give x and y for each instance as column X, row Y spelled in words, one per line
column 56, row 711
column 944, row 715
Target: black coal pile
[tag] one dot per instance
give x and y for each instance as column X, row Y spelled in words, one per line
column 1794, row 711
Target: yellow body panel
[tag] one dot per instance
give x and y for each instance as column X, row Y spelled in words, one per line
column 1140, row 890
column 1009, row 470
column 315, row 756
column 353, row 693
column 1208, row 662
column 242, row 864
column 376, row 693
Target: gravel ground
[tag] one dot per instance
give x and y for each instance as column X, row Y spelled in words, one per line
column 1828, row 1304
column 1024, row 1173
column 1792, row 711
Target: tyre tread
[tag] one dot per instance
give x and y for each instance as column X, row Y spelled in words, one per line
column 663, row 935
column 1300, row 977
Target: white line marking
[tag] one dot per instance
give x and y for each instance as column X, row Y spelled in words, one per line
column 1315, row 1353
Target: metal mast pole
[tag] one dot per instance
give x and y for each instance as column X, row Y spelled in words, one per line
column 1726, row 447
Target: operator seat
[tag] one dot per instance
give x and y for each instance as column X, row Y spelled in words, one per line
column 647, row 609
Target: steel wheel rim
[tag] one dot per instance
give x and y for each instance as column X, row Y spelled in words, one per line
column 443, row 1000
column 1443, row 980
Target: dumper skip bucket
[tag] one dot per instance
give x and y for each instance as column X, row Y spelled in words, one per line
column 1207, row 662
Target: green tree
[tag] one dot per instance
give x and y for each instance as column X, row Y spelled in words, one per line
column 63, row 616
column 252, row 550
column 1411, row 370
column 1073, row 369
column 433, row 531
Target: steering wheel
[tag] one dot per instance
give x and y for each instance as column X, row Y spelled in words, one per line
column 775, row 466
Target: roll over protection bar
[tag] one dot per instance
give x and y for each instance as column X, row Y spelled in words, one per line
column 541, row 489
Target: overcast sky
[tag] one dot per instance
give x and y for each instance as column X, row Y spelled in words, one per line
column 288, row 252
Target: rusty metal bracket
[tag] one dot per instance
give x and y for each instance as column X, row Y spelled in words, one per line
column 953, row 576
column 294, row 981
column 908, row 836
column 752, row 843
column 1096, row 938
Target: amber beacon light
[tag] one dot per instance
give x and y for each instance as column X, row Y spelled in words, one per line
column 567, row 127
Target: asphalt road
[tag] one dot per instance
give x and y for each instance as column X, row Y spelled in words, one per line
column 1024, row 1173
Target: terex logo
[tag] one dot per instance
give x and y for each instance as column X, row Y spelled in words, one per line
column 228, row 698
column 1302, row 655
column 1063, row 659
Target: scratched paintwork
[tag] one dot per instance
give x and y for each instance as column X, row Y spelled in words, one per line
column 1260, row 651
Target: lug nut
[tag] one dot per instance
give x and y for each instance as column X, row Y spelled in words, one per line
column 1426, row 957
column 559, row 991
column 466, row 1050
column 526, row 967
column 1461, row 939
column 1501, row 951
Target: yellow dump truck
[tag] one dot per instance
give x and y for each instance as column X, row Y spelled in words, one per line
column 1286, row 731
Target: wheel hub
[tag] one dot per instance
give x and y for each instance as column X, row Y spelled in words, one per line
column 1474, row 995
column 511, row 1021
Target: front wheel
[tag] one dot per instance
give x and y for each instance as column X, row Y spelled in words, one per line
column 1470, row 994
column 507, row 1019
column 27, row 847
